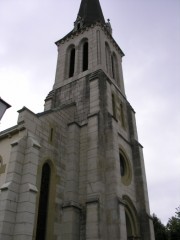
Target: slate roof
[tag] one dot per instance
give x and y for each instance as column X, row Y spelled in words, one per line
column 90, row 11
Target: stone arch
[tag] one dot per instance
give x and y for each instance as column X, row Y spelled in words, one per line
column 132, row 224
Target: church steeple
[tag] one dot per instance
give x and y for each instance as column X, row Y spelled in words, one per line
column 89, row 13
column 77, row 168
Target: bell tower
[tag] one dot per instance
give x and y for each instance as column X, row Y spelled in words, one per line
column 105, row 193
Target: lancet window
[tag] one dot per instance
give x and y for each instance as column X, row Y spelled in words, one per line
column 43, row 203
column 85, row 56
column 108, row 56
column 72, row 62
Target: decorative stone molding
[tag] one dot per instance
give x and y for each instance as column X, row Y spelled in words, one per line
column 93, row 114
column 32, row 188
column 15, row 142
column 121, row 201
column 93, row 199
column 81, row 31
column 35, row 144
column 72, row 204
column 5, row 186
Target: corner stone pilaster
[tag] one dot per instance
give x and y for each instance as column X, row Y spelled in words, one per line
column 25, row 217
column 71, row 207
column 92, row 219
column 147, row 231
column 10, row 190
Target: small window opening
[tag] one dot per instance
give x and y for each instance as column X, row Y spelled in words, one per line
column 43, row 203
column 72, row 63
column 113, row 105
column 51, row 134
column 78, row 26
column 107, row 50
column 122, row 115
column 112, row 65
column 85, row 56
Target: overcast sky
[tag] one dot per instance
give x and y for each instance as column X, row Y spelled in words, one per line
column 148, row 32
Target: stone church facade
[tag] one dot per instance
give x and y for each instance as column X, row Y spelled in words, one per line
column 76, row 170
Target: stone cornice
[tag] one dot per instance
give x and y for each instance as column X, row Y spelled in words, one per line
column 73, row 34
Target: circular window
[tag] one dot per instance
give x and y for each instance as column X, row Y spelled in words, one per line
column 125, row 169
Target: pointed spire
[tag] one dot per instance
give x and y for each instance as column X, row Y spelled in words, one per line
column 90, row 12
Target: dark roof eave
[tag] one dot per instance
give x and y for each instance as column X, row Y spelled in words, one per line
column 5, row 103
column 11, row 131
column 65, row 37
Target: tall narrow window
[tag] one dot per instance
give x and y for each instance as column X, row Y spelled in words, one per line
column 72, row 62
column 85, row 56
column 43, row 203
column 113, row 67
column 107, row 51
column 51, row 137
column 113, row 105
column 122, row 115
column 78, row 26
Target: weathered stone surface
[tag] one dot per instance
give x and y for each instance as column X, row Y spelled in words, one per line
column 86, row 123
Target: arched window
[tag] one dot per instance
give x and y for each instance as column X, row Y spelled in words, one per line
column 43, row 203
column 114, row 67
column 72, row 62
column 113, row 105
column 108, row 54
column 85, row 56
column 122, row 116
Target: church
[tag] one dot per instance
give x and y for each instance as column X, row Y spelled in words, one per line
column 76, row 170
